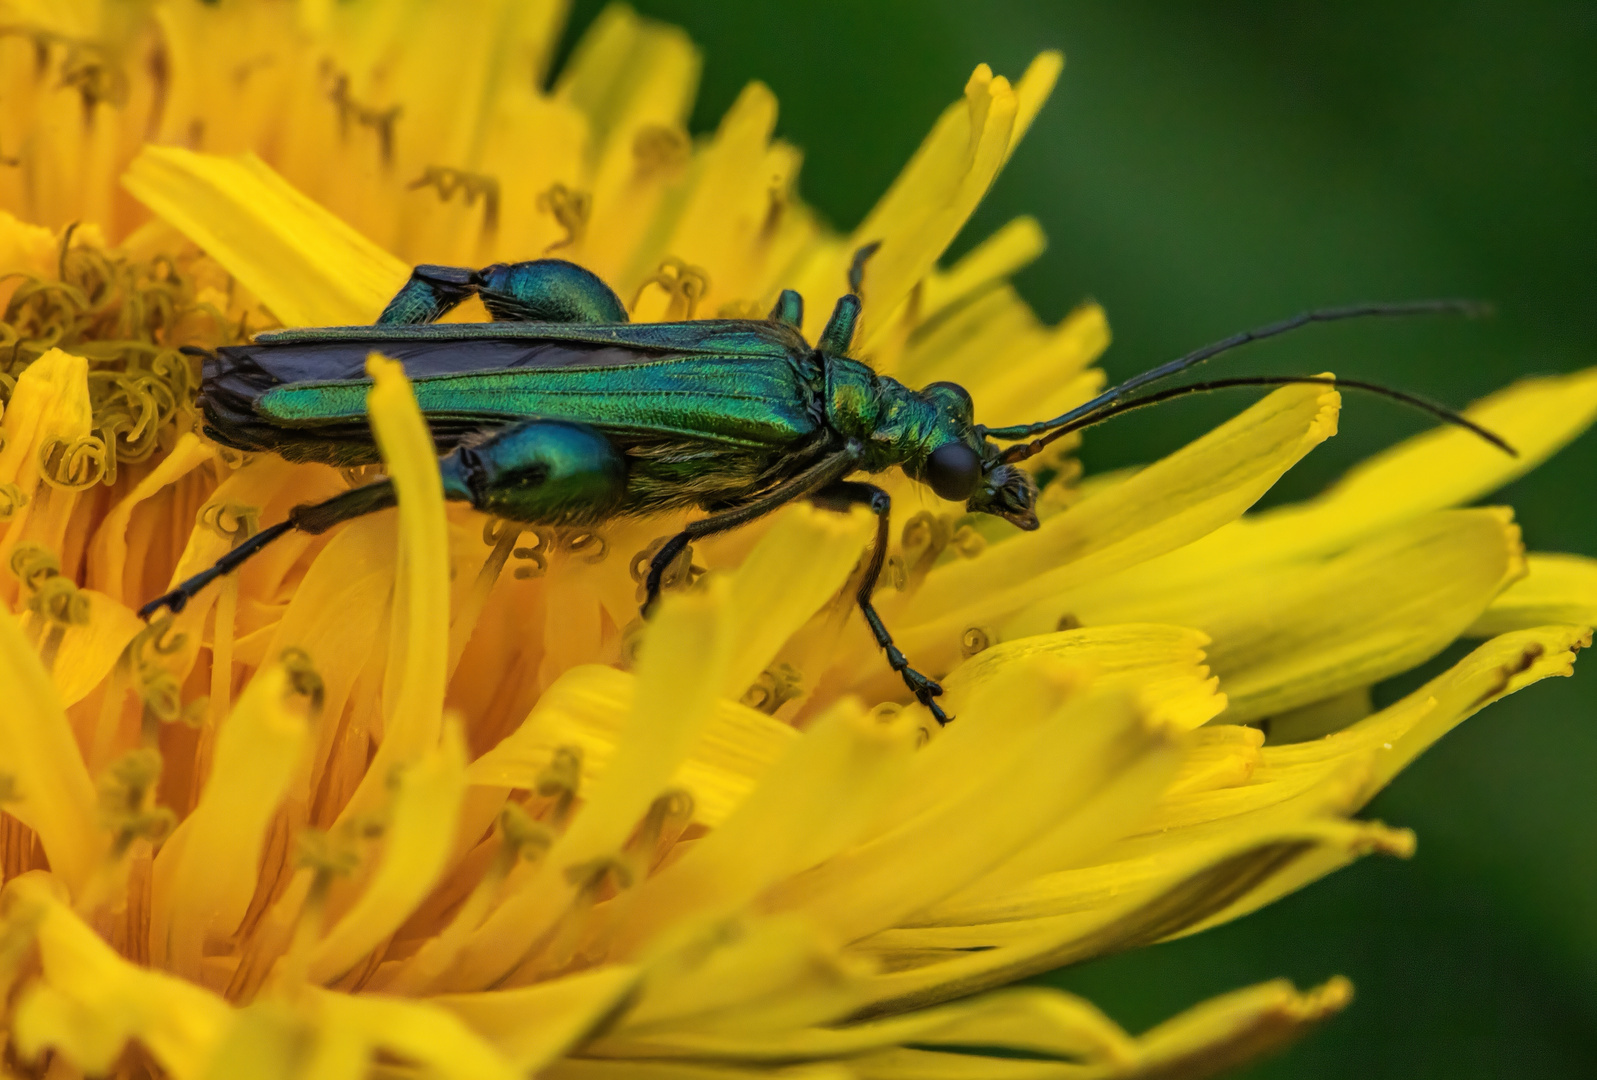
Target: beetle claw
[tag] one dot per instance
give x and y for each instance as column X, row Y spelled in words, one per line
column 174, row 602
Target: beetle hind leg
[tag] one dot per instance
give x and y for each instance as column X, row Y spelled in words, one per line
column 548, row 290
column 541, row 290
column 431, row 293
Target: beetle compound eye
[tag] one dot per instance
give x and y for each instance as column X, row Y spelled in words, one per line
column 953, row 471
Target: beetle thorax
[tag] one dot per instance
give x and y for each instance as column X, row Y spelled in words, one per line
column 895, row 425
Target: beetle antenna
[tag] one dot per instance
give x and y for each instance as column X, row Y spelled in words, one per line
column 856, row 267
column 1441, row 412
column 838, row 333
column 313, row 518
column 1467, row 308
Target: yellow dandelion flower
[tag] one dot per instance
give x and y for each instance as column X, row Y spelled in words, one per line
column 421, row 796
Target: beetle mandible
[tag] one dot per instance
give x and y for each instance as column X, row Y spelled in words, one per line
column 562, row 412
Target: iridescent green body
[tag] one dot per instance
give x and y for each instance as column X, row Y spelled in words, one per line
column 706, row 413
column 561, row 412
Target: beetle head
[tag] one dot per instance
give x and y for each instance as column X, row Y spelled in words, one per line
column 968, row 467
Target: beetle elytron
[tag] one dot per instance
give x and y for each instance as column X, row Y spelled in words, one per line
column 561, row 412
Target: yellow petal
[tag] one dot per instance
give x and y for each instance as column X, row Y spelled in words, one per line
column 684, row 658
column 91, row 1001
column 729, row 203
column 1014, row 703
column 1555, row 589
column 533, row 1025
column 1013, row 247
column 1032, row 1020
column 414, row 1031
column 1380, row 609
column 1140, row 891
column 25, row 249
column 88, row 652
column 1449, row 466
column 1042, row 378
column 1320, row 717
column 267, row 484
column 49, row 412
column 624, row 64
column 1495, row 670
column 763, row 974
column 1234, row 1029
column 930, row 201
column 1074, row 915
column 813, row 802
column 416, row 845
column 1441, row 468
column 683, row 663
column 206, row 872
column 51, row 398
column 303, row 263
column 1166, row 663
column 267, row 1040
column 1181, row 497
column 1016, row 369
column 1032, row 92
column 354, row 576
column 1084, row 747
column 413, row 698
column 1292, row 633
column 1121, row 802
column 635, row 80
column 53, row 793
column 1221, row 756
column 797, row 566
column 588, row 709
column 109, row 551
column 1339, row 773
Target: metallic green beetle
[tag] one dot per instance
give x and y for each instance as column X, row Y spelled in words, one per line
column 560, row 412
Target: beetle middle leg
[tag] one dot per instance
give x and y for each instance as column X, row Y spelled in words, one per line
column 841, row 496
column 822, row 474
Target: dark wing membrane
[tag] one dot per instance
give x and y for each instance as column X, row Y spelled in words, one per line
column 306, row 400
column 266, row 364
column 731, row 338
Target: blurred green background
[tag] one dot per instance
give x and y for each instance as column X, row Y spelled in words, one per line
column 1204, row 169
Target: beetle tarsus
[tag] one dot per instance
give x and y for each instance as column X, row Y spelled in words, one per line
column 174, row 601
column 657, row 566
column 178, row 598
column 840, row 496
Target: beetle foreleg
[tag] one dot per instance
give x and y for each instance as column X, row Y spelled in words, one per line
column 841, row 496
